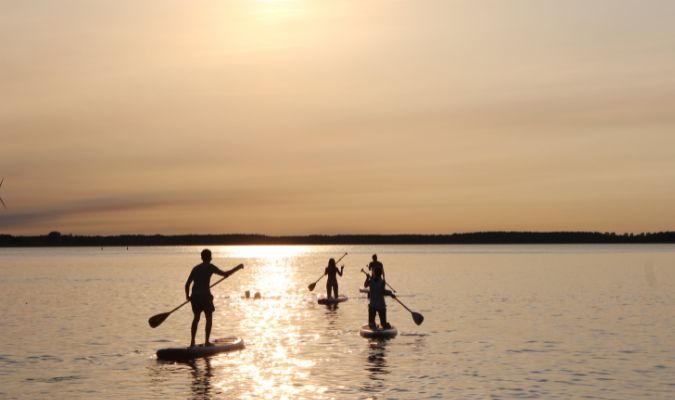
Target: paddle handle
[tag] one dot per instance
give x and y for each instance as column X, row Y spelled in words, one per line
column 339, row 259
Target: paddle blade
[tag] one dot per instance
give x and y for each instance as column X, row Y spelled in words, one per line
column 311, row 286
column 157, row 320
column 418, row 318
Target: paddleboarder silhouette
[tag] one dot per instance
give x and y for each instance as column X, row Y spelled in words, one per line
column 376, row 305
column 332, row 272
column 375, row 264
column 201, row 298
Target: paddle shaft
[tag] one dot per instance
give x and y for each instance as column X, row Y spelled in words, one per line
column 187, row 301
column 404, row 306
column 212, row 285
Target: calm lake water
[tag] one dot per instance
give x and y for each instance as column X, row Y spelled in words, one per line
column 501, row 322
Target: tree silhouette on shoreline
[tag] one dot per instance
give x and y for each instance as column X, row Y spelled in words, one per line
column 56, row 238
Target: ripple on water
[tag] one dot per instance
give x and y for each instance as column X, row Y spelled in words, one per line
column 44, row 358
column 56, row 379
column 7, row 365
column 413, row 334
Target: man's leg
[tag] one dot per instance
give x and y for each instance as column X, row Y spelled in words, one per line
column 195, row 324
column 209, row 321
column 371, row 317
column 383, row 318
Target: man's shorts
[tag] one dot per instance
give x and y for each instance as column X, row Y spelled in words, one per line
column 202, row 303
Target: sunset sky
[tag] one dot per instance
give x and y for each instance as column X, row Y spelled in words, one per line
column 341, row 116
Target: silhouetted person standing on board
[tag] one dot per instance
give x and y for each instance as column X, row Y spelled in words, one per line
column 376, row 265
column 376, row 304
column 332, row 271
column 201, row 298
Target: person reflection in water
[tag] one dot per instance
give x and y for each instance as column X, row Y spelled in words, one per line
column 332, row 271
column 377, row 304
column 201, row 298
column 201, row 379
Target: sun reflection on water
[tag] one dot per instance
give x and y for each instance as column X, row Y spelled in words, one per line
column 273, row 363
column 261, row 252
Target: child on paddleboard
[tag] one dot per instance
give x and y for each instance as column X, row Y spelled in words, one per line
column 201, row 298
column 376, row 304
column 332, row 272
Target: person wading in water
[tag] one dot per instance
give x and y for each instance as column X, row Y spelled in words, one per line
column 201, row 298
column 332, row 271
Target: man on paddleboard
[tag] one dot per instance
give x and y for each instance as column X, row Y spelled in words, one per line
column 376, row 304
column 201, row 298
column 372, row 266
column 332, row 272
column 376, row 265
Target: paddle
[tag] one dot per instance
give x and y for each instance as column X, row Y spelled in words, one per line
column 313, row 285
column 417, row 317
column 156, row 320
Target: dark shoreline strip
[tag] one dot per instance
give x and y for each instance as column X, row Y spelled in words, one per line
column 56, row 239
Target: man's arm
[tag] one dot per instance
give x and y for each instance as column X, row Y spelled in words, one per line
column 228, row 273
column 367, row 281
column 187, row 286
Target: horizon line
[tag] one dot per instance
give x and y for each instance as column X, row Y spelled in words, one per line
column 55, row 238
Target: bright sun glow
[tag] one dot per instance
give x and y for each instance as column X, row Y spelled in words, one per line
column 261, row 252
column 279, row 9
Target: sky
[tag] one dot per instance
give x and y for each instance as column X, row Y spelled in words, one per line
column 287, row 117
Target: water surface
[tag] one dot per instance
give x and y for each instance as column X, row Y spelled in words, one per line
column 500, row 322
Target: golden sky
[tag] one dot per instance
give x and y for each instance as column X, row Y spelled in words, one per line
column 321, row 116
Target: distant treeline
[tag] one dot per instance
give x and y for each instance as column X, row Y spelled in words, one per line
column 58, row 239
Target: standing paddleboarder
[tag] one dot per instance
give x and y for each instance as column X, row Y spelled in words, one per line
column 375, row 265
column 201, row 298
column 376, row 305
column 332, row 272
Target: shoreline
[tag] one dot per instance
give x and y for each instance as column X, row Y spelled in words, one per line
column 56, row 239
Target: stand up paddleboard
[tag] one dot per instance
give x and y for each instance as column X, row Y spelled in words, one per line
column 366, row 332
column 332, row 300
column 364, row 290
column 189, row 353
